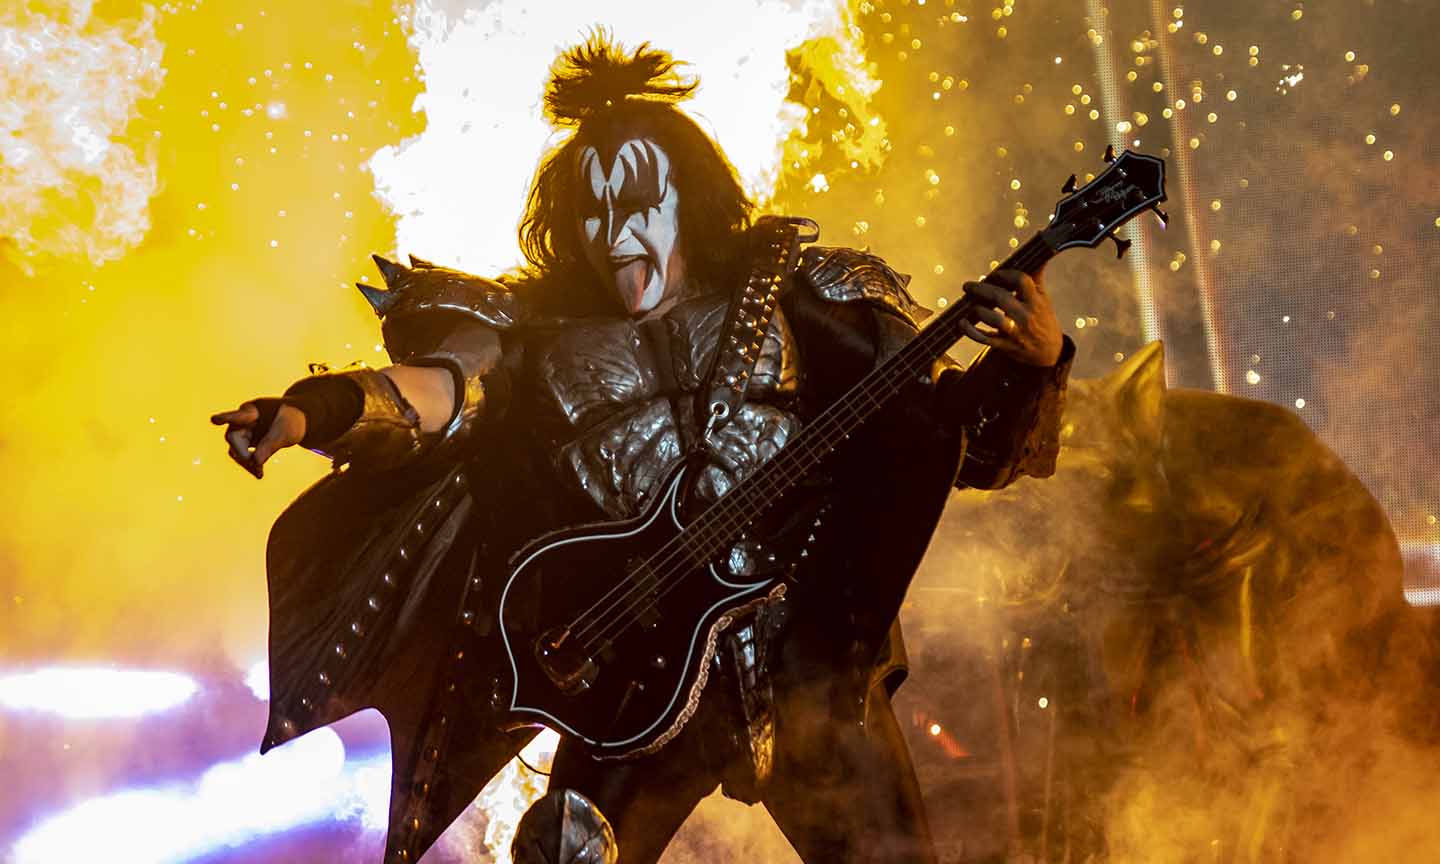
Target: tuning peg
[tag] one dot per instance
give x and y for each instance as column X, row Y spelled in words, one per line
column 1121, row 246
column 1109, row 153
column 1069, row 186
column 1163, row 216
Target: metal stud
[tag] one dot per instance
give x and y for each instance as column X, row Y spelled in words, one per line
column 306, row 703
column 374, row 603
column 357, row 628
column 404, row 554
column 467, row 617
column 341, row 651
column 324, row 677
column 389, row 580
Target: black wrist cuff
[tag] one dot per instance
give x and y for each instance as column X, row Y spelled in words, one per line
column 331, row 404
column 267, row 407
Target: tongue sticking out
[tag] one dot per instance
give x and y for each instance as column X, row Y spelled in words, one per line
column 631, row 279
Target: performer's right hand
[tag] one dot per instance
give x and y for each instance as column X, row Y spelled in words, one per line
column 257, row 429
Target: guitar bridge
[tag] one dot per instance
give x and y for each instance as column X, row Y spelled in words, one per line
column 571, row 671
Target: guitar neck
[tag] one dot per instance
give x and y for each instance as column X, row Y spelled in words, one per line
column 715, row 529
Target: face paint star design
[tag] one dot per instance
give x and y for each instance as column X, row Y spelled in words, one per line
column 629, row 218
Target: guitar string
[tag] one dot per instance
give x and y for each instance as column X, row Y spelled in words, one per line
column 730, row 521
column 731, row 516
column 724, row 510
column 761, row 279
column 873, row 403
column 917, row 346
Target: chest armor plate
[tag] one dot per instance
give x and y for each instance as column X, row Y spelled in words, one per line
column 615, row 402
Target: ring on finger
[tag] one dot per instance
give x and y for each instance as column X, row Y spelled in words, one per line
column 1008, row 324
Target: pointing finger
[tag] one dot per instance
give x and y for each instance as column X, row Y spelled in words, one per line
column 245, row 414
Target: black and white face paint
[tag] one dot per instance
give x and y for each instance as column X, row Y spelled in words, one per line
column 629, row 217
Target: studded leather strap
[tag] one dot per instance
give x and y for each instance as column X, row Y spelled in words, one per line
column 776, row 246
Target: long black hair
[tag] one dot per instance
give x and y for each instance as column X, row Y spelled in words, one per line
column 608, row 97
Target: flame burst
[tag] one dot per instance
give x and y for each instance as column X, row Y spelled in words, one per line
column 458, row 188
column 488, row 827
column 69, row 184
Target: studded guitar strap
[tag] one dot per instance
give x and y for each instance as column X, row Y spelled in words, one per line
column 776, row 246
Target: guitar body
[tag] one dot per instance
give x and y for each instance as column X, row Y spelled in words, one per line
column 629, row 674
column 629, row 671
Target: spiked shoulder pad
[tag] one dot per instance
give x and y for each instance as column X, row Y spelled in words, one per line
column 423, row 300
column 841, row 275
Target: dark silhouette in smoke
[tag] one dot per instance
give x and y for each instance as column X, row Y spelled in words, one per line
column 1191, row 644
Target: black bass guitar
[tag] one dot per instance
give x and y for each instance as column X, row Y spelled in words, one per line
column 610, row 628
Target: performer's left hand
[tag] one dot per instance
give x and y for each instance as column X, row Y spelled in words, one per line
column 1021, row 321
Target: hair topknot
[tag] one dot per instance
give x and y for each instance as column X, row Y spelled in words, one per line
column 597, row 75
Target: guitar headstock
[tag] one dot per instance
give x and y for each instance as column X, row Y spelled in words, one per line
column 1132, row 184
